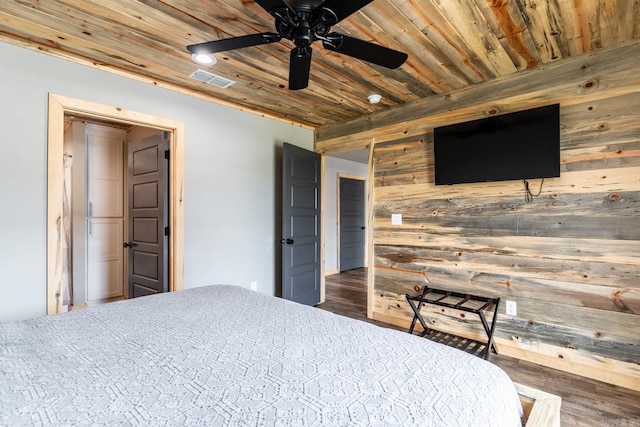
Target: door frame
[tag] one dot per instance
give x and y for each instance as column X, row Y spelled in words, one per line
column 369, row 261
column 339, row 177
column 59, row 106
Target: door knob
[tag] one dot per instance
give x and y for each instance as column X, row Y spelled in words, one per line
column 128, row 244
column 287, row 241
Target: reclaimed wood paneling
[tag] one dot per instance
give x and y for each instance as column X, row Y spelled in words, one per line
column 570, row 258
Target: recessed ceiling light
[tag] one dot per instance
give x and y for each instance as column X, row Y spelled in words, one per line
column 201, row 58
column 374, row 98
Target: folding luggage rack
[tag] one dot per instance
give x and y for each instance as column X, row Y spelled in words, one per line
column 457, row 301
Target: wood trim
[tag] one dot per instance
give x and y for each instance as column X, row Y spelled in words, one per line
column 55, row 173
column 349, row 176
column 370, row 230
column 78, row 307
column 59, row 106
column 176, row 207
column 620, row 373
column 541, row 409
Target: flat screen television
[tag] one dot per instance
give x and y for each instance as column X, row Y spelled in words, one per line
column 521, row 145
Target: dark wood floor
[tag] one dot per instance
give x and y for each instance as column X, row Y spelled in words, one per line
column 585, row 402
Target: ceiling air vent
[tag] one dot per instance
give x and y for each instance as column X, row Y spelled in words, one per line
column 212, row 79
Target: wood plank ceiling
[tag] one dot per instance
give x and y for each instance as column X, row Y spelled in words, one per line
column 451, row 44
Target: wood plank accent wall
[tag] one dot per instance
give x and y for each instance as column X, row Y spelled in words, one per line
column 570, row 258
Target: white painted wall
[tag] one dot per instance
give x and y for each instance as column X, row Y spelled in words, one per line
column 333, row 167
column 231, row 161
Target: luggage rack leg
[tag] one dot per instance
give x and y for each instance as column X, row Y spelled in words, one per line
column 417, row 316
column 490, row 344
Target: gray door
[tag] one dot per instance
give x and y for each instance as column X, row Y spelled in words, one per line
column 300, row 225
column 148, row 216
column 352, row 224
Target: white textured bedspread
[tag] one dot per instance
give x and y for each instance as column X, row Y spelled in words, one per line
column 224, row 355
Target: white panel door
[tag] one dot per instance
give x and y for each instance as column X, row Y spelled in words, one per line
column 105, row 253
column 105, row 173
column 105, row 212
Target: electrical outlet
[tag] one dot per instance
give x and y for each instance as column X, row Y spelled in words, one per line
column 396, row 219
column 512, row 308
column 254, row 286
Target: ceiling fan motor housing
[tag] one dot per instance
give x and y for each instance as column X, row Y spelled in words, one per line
column 304, row 25
column 303, row 35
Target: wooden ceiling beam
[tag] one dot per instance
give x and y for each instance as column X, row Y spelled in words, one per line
column 597, row 75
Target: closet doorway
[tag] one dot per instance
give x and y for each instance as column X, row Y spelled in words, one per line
column 61, row 107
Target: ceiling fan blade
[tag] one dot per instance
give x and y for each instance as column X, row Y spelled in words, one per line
column 269, row 5
column 364, row 50
column 344, row 8
column 234, row 43
column 299, row 67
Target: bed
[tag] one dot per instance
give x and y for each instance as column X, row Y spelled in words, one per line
column 225, row 355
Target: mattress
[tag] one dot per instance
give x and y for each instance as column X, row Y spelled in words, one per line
column 224, row 355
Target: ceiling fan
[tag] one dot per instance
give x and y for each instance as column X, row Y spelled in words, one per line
column 304, row 22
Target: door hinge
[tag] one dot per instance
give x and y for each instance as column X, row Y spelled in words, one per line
column 166, row 154
column 166, row 231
